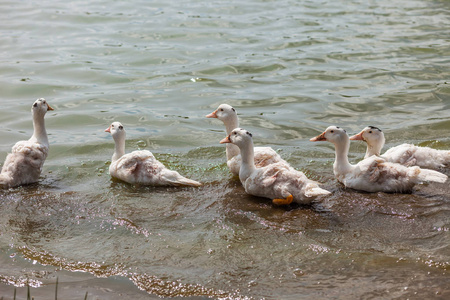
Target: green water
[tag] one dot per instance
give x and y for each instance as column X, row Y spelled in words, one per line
column 290, row 68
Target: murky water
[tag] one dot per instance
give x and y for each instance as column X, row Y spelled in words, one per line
column 290, row 68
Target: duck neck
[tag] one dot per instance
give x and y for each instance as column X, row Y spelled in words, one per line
column 39, row 132
column 119, row 149
column 230, row 124
column 248, row 160
column 372, row 150
column 341, row 164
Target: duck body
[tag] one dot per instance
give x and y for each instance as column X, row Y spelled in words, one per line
column 374, row 174
column 263, row 156
column 276, row 181
column 405, row 154
column 424, row 157
column 141, row 167
column 24, row 164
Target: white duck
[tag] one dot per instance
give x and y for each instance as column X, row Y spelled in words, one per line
column 263, row 155
column 405, row 154
column 276, row 181
column 140, row 167
column 24, row 164
column 373, row 174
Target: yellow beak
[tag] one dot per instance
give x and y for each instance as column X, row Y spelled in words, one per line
column 319, row 138
column 357, row 137
column 212, row 115
column 226, row 140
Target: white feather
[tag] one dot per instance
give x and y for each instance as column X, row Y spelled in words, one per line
column 263, row 156
column 274, row 181
column 24, row 164
column 405, row 154
column 374, row 174
column 141, row 167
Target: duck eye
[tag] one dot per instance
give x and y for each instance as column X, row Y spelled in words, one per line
column 120, row 127
column 370, row 131
column 221, row 109
column 35, row 105
column 332, row 131
column 233, row 109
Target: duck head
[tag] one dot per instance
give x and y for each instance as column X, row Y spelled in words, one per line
column 371, row 135
column 40, row 107
column 224, row 112
column 333, row 134
column 238, row 137
column 117, row 131
column 374, row 138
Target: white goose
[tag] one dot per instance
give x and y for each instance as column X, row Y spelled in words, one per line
column 276, row 181
column 405, row 154
column 263, row 155
column 373, row 174
column 140, row 167
column 24, row 164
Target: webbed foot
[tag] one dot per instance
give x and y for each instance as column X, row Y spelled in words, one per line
column 286, row 201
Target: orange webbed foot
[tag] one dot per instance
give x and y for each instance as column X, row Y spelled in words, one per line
column 286, row 201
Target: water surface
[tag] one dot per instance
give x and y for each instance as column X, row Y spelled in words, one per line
column 290, row 68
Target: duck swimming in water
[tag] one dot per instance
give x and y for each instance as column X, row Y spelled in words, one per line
column 263, row 156
column 141, row 167
column 276, row 181
column 405, row 154
column 24, row 164
column 373, row 174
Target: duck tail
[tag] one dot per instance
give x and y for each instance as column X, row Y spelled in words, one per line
column 313, row 190
column 431, row 175
column 188, row 182
column 174, row 178
column 445, row 161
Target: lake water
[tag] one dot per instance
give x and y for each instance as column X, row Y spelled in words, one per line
column 290, row 68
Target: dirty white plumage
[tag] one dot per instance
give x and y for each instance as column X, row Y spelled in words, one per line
column 24, row 164
column 140, row 167
column 405, row 154
column 264, row 156
column 275, row 181
column 373, row 174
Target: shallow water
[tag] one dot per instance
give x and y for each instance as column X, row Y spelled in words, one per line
column 290, row 68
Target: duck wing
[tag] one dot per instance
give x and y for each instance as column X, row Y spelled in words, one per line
column 141, row 167
column 280, row 181
column 24, row 164
column 424, row 157
column 263, row 157
column 375, row 174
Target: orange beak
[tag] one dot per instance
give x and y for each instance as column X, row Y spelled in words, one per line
column 357, row 137
column 226, row 140
column 319, row 138
column 212, row 115
column 49, row 107
column 108, row 129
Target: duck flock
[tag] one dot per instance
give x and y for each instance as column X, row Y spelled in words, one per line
column 261, row 170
